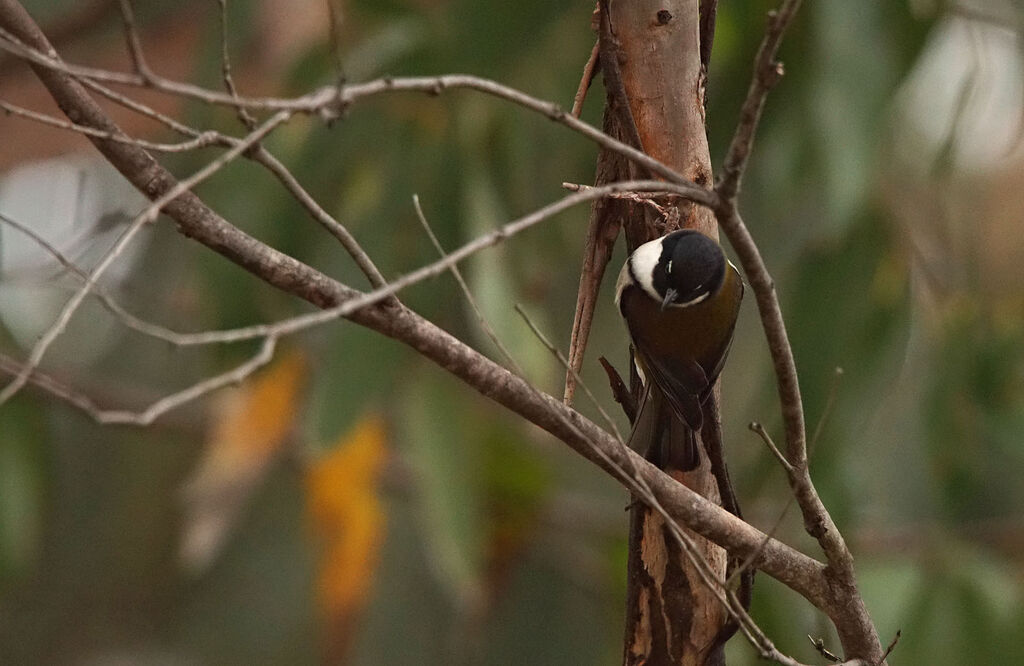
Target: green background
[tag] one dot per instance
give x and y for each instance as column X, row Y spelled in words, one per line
column 887, row 209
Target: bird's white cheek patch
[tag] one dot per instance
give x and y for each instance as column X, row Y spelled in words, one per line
column 644, row 259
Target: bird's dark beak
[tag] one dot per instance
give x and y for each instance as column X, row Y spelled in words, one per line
column 670, row 296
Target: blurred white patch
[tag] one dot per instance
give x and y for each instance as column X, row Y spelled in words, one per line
column 79, row 205
column 966, row 94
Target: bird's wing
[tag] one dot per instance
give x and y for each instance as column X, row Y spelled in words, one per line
column 681, row 382
column 713, row 373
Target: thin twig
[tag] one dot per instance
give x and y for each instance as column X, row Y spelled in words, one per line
column 892, row 646
column 201, row 141
column 585, row 81
column 50, row 385
column 145, row 217
column 155, row 410
column 162, row 406
column 128, row 319
column 830, row 402
column 263, row 156
column 457, row 274
column 140, row 108
column 767, row 439
column 819, row 646
column 565, row 362
column 334, row 39
column 767, row 73
column 131, row 36
column 225, row 69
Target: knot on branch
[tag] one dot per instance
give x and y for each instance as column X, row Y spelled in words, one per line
column 555, row 112
column 816, row 527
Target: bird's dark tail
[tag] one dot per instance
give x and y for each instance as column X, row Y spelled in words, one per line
column 661, row 436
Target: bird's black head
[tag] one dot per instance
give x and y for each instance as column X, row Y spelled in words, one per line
column 690, row 268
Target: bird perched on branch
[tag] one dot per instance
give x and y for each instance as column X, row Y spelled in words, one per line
column 680, row 298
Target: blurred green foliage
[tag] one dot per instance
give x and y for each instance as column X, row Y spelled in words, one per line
column 502, row 546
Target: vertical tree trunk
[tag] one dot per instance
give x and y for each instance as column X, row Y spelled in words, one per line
column 654, row 77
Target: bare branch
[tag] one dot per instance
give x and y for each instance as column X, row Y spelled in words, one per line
column 892, row 645
column 830, row 402
column 140, row 108
column 155, row 410
column 201, row 140
column 128, row 319
column 225, row 68
column 586, row 79
column 50, row 385
column 767, row 439
column 819, row 646
column 131, row 36
column 204, row 387
column 457, row 274
column 263, row 156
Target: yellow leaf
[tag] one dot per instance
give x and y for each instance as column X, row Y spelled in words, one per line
column 248, row 426
column 348, row 517
column 252, row 423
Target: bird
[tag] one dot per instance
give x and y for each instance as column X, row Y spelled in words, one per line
column 680, row 297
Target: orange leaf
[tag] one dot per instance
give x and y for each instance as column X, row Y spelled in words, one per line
column 348, row 516
column 249, row 425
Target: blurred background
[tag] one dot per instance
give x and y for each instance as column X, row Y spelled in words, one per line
column 354, row 504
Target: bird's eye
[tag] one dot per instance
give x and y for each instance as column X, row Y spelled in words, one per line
column 668, row 269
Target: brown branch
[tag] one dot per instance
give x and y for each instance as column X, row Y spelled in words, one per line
column 225, row 68
column 850, row 616
column 201, row 140
column 131, row 36
column 586, row 79
column 852, row 620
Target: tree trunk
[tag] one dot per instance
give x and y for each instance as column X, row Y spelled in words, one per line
column 654, row 77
